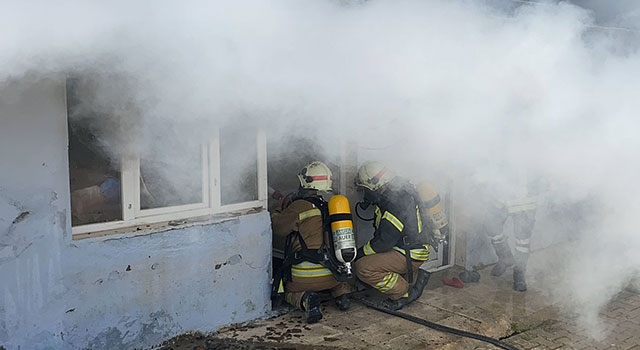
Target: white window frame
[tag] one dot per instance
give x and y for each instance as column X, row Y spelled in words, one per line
column 133, row 216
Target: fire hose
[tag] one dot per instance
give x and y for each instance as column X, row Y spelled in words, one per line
column 438, row 327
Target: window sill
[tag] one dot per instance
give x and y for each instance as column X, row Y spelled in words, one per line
column 147, row 229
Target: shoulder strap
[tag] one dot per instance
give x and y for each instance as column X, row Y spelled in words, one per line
column 283, row 273
column 323, row 256
column 324, row 209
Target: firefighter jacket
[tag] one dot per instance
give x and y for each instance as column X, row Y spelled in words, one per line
column 304, row 217
column 398, row 223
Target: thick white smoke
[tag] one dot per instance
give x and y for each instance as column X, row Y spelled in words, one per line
column 454, row 85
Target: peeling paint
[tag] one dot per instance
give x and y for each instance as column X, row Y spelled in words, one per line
column 236, row 259
column 157, row 330
column 233, row 260
column 28, row 222
column 20, row 217
column 114, row 275
column 133, row 332
column 108, row 339
column 249, row 306
column 8, row 209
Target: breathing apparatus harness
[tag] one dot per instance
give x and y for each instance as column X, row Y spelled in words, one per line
column 323, row 256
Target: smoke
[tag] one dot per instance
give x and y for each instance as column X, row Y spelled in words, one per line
column 455, row 87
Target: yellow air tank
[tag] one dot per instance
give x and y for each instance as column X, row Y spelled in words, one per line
column 344, row 239
column 432, row 208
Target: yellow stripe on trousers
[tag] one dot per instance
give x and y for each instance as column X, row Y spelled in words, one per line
column 388, row 282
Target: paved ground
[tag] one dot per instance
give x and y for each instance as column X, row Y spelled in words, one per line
column 491, row 308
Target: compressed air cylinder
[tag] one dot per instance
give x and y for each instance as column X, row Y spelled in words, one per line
column 344, row 239
column 432, row 205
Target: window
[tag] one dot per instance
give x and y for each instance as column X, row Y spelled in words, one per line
column 170, row 180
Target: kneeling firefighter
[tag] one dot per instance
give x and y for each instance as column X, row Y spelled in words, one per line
column 318, row 241
column 399, row 245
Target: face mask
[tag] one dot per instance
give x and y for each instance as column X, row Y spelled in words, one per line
column 364, row 203
column 366, row 197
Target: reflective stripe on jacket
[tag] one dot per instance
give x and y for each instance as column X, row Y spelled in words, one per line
column 390, row 228
column 309, row 269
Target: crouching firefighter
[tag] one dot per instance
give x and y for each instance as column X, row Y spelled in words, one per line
column 399, row 245
column 318, row 242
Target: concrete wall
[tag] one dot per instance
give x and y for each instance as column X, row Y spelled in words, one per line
column 118, row 293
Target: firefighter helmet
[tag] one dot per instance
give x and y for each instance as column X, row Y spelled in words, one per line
column 373, row 175
column 316, row 176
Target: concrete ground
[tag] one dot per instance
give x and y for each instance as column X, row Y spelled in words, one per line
column 524, row 320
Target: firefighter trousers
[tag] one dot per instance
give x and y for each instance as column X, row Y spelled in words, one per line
column 294, row 290
column 523, row 224
column 384, row 272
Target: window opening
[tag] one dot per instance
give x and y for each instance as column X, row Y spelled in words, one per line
column 94, row 176
column 238, row 165
column 171, row 174
column 173, row 178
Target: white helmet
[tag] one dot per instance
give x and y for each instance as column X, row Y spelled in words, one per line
column 373, row 175
column 316, row 176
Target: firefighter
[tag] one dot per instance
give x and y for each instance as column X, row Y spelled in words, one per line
column 399, row 245
column 299, row 225
column 519, row 203
column 523, row 211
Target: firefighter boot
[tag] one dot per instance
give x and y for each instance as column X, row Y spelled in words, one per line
column 415, row 292
column 505, row 257
column 311, row 307
column 469, row 276
column 343, row 302
column 521, row 258
column 519, row 283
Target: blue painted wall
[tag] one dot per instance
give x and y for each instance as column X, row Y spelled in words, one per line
column 114, row 292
